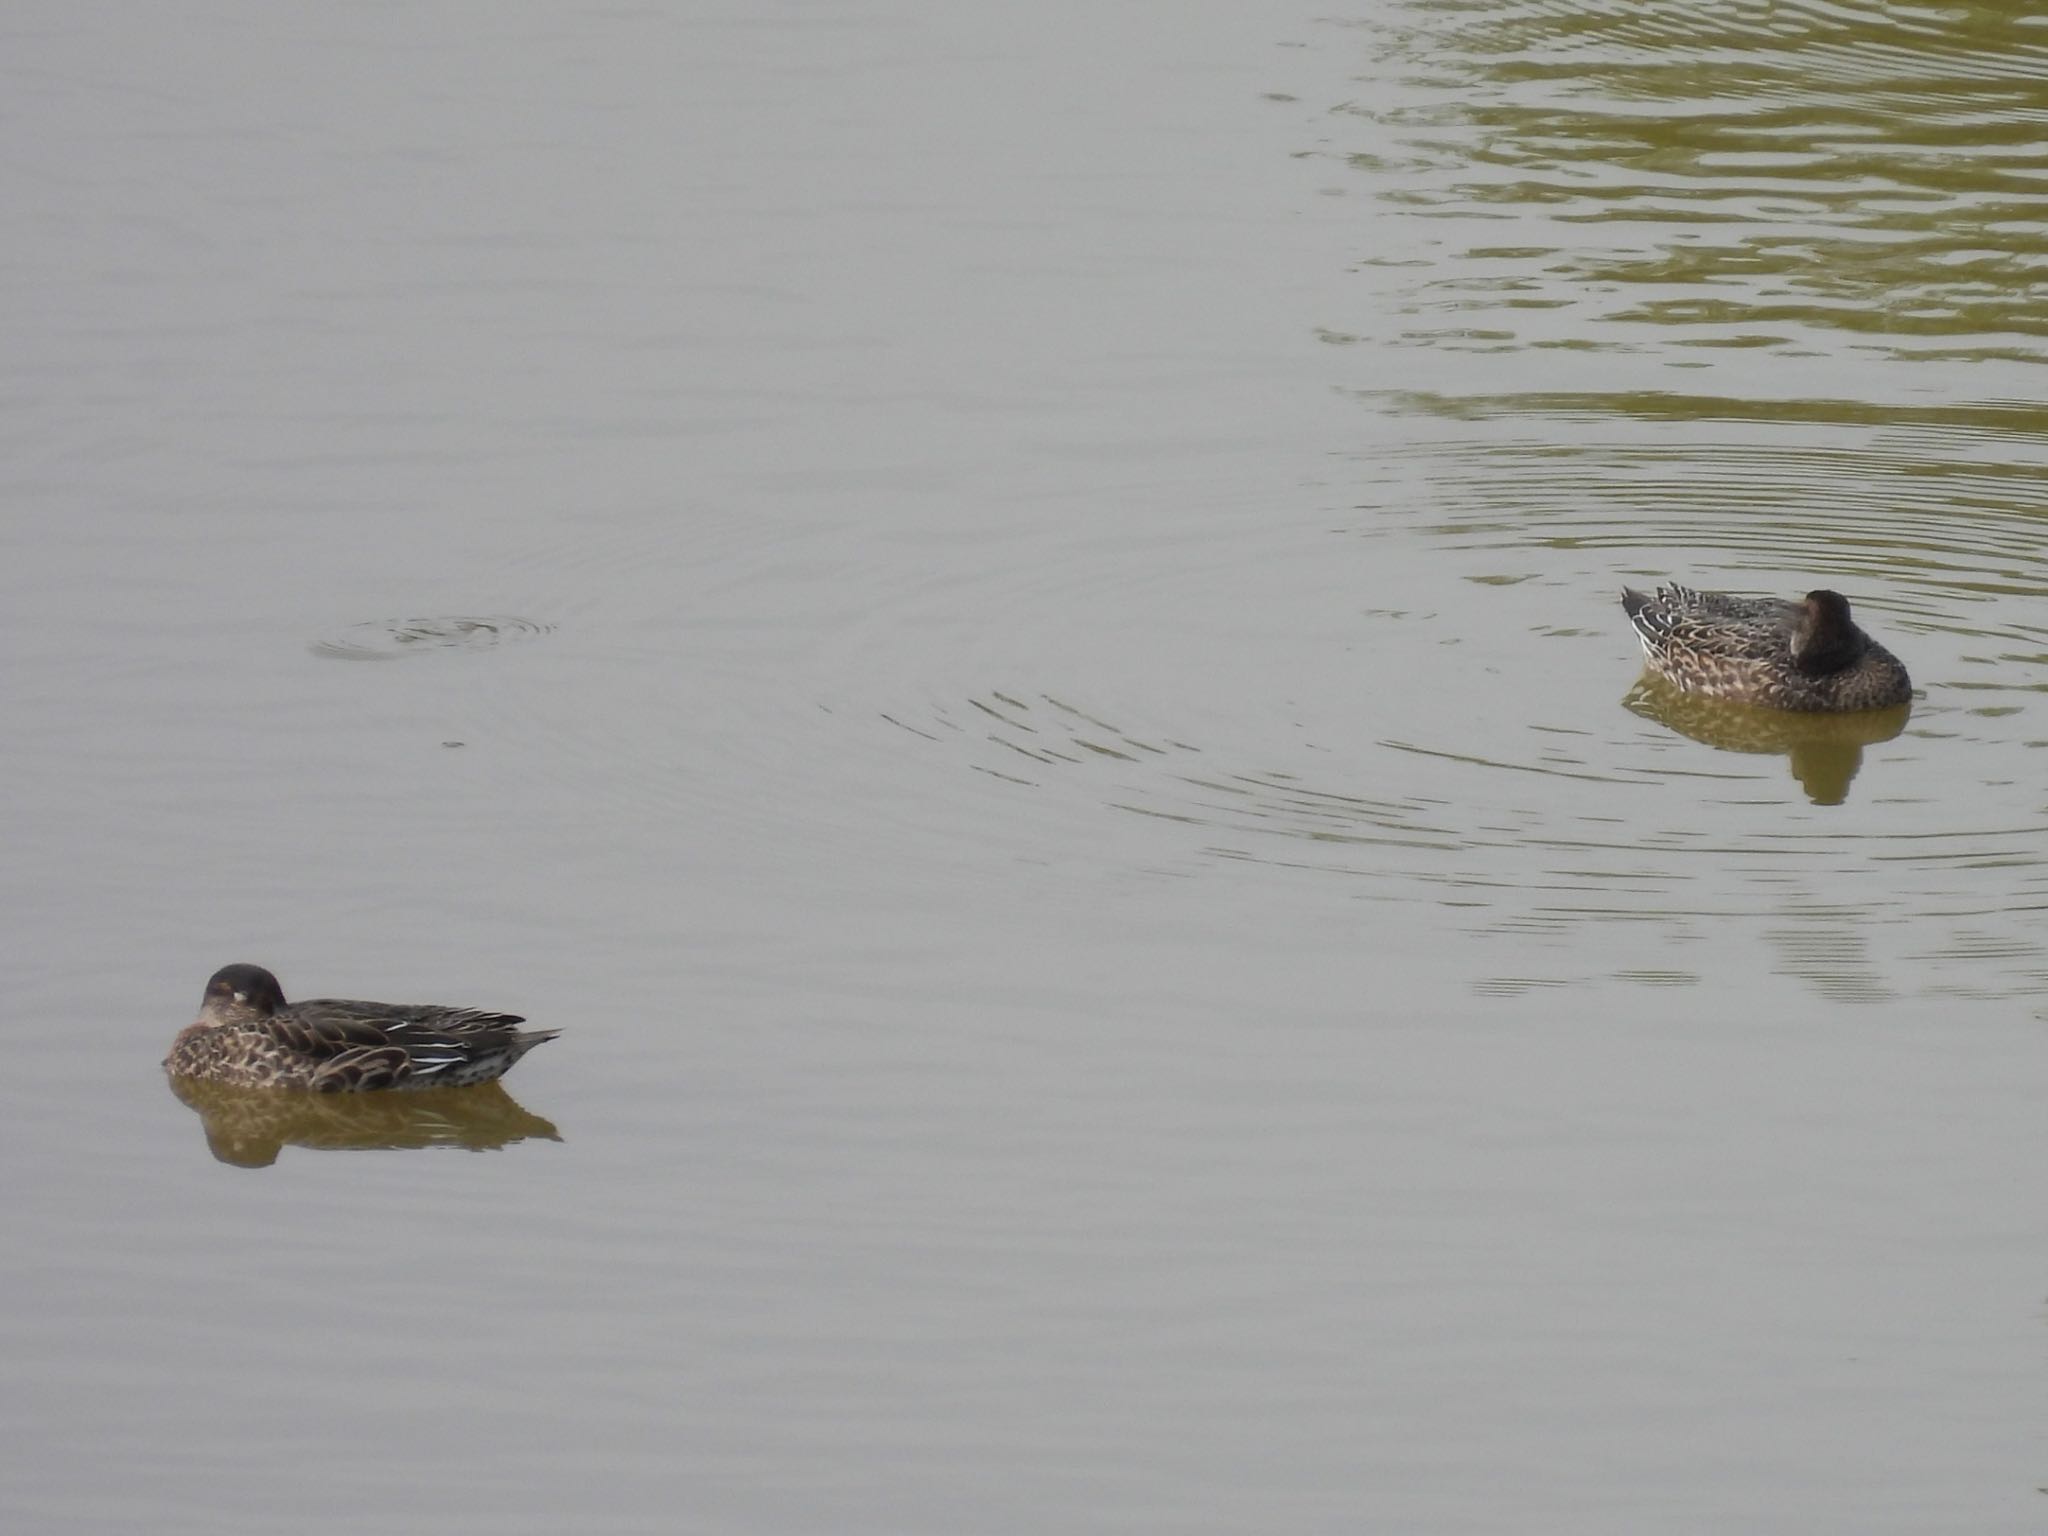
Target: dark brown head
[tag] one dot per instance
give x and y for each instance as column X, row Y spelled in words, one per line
column 1826, row 638
column 240, row 992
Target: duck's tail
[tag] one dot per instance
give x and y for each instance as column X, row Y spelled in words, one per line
column 526, row 1039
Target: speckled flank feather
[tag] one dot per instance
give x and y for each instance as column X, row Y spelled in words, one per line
column 247, row 1034
column 1808, row 655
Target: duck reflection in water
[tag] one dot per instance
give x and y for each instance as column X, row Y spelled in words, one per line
column 248, row 1127
column 1826, row 750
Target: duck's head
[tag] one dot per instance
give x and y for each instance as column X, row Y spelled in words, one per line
column 1826, row 639
column 241, row 991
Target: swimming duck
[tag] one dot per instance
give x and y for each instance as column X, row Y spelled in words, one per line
column 1807, row 655
column 247, row 1034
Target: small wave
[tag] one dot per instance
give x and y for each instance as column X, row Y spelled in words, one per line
column 390, row 639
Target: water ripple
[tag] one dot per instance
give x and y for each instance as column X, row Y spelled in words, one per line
column 391, row 639
column 1686, row 176
column 1465, row 738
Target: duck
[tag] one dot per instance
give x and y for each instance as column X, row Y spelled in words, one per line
column 248, row 1036
column 1807, row 655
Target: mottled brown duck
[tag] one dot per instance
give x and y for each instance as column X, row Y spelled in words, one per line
column 249, row 1036
column 1808, row 655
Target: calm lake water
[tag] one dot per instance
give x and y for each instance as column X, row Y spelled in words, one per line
column 1008, row 617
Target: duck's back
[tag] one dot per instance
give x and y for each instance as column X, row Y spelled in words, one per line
column 1710, row 618
column 423, row 1045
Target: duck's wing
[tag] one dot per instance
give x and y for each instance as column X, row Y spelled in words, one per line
column 1680, row 620
column 1727, row 606
column 325, row 1027
column 386, row 1041
column 346, row 1021
column 361, row 1067
column 437, row 1039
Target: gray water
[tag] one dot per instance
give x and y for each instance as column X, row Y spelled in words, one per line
column 1007, row 617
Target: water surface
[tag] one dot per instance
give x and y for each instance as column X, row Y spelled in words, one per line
column 1010, row 622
